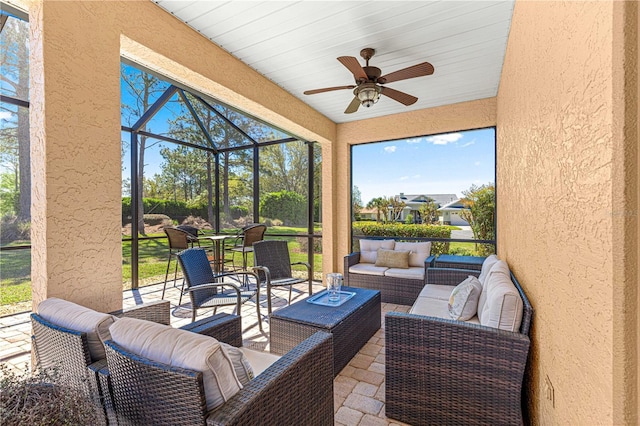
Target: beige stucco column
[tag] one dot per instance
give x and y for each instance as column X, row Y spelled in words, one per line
column 75, row 156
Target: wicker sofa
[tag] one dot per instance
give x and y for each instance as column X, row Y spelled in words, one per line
column 442, row 371
column 296, row 388
column 396, row 285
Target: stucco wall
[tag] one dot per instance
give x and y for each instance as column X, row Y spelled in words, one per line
column 75, row 122
column 449, row 118
column 561, row 203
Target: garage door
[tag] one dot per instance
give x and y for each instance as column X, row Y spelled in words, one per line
column 457, row 220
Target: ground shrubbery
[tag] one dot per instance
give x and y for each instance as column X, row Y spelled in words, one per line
column 27, row 399
column 13, row 230
column 398, row 230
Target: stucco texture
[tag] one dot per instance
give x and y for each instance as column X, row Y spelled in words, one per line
column 76, row 48
column 559, row 204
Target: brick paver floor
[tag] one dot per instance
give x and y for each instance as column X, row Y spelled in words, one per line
column 358, row 389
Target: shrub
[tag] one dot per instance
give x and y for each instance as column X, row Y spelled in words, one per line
column 288, row 206
column 167, row 207
column 304, row 244
column 398, row 231
column 238, row 211
column 13, row 230
column 35, row 400
column 157, row 219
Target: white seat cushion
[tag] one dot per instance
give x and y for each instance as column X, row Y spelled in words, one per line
column 500, row 303
column 259, row 360
column 436, row 291
column 180, row 348
column 369, row 249
column 435, row 308
column 79, row 318
column 418, row 252
column 486, row 267
column 367, row 269
column 413, row 273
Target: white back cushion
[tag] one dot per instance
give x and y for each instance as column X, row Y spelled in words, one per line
column 500, row 305
column 241, row 364
column 369, row 249
column 418, row 252
column 180, row 348
column 79, row 318
column 486, row 267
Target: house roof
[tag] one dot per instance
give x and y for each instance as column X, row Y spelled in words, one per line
column 439, row 199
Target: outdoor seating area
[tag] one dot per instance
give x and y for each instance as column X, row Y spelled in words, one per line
column 350, row 213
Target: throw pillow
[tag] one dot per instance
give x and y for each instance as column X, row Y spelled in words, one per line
column 181, row 348
column 76, row 317
column 393, row 258
column 241, row 364
column 418, row 252
column 369, row 249
column 463, row 302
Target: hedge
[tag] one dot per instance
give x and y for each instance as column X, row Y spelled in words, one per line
column 399, row 231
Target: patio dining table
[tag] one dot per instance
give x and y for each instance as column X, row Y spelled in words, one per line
column 218, row 254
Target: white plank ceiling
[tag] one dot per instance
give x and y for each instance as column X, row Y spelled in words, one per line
column 295, row 44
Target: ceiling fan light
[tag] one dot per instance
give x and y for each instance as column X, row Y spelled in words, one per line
column 369, row 95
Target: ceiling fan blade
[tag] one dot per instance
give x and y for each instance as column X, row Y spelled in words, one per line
column 327, row 89
column 353, row 106
column 418, row 70
column 396, row 95
column 354, row 66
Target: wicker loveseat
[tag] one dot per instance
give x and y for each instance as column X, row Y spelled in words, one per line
column 443, row 371
column 296, row 388
column 396, row 285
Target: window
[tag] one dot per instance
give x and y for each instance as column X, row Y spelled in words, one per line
column 438, row 187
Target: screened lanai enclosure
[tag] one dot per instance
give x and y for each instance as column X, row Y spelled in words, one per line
column 188, row 159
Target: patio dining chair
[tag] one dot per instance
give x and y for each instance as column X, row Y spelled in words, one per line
column 244, row 242
column 209, row 290
column 179, row 239
column 273, row 265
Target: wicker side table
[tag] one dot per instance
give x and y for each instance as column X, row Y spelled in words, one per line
column 459, row 262
column 352, row 324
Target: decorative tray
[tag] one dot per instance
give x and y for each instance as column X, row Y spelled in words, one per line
column 322, row 298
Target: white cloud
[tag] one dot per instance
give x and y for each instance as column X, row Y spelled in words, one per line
column 390, row 149
column 5, row 115
column 416, row 176
column 468, row 144
column 414, row 140
column 444, row 139
column 477, row 163
column 404, row 178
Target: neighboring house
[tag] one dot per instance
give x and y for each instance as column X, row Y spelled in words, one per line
column 450, row 214
column 449, row 206
column 366, row 213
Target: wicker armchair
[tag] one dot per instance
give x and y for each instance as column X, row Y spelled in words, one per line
column 67, row 351
column 296, row 389
column 273, row 266
column 440, row 371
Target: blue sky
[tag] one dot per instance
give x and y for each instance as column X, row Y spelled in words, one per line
column 440, row 164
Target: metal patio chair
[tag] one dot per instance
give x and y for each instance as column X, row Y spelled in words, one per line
column 273, row 266
column 209, row 290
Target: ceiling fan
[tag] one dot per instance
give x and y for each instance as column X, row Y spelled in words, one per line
column 368, row 87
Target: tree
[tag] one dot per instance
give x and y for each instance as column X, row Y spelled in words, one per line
column 14, row 135
column 380, row 204
column 141, row 88
column 356, row 202
column 429, row 212
column 396, row 207
column 481, row 204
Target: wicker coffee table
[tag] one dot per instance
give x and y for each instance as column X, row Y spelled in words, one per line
column 352, row 324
